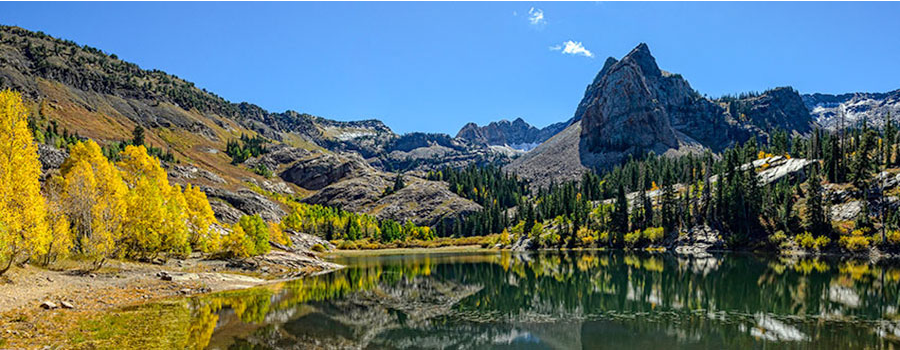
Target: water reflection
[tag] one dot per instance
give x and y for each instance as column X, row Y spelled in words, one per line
column 570, row 300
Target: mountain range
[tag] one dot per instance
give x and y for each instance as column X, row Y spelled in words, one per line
column 630, row 108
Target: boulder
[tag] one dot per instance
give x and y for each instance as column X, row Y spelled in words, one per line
column 846, row 211
column 50, row 158
column 698, row 241
column 48, row 305
column 523, row 243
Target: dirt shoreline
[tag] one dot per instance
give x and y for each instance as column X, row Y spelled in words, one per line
column 73, row 294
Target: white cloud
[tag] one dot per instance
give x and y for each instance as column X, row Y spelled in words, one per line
column 572, row 48
column 536, row 16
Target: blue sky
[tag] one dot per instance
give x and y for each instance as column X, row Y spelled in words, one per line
column 435, row 66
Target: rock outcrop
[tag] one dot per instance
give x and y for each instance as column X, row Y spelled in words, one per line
column 245, row 201
column 51, row 158
column 421, row 201
column 320, row 169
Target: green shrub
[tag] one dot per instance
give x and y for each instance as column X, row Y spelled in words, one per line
column 318, row 248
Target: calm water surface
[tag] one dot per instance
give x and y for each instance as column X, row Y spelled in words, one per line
column 570, row 300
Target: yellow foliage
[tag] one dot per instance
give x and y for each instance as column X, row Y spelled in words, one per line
column 61, row 236
column 504, row 237
column 94, row 200
column 278, row 234
column 807, row 241
column 200, row 221
column 237, row 244
column 23, row 225
column 156, row 218
column 653, row 234
column 856, row 241
column 893, row 236
column 653, row 186
column 586, row 237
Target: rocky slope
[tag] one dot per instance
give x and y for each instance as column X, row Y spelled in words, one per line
column 344, row 180
column 88, row 92
column 632, row 108
column 516, row 134
column 857, row 107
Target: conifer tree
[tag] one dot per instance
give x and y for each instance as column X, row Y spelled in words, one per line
column 815, row 211
column 620, row 214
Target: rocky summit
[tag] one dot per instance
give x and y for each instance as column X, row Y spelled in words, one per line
column 632, row 107
column 853, row 109
column 517, row 134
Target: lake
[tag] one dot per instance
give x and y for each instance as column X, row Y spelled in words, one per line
column 562, row 300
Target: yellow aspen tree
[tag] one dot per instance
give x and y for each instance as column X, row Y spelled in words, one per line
column 175, row 229
column 23, row 225
column 62, row 238
column 238, row 244
column 278, row 234
column 156, row 213
column 94, row 200
column 201, row 220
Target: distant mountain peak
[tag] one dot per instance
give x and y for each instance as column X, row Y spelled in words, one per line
column 517, row 134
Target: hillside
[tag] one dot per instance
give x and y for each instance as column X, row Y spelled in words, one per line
column 83, row 91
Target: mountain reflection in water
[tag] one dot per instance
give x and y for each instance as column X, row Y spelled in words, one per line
column 569, row 300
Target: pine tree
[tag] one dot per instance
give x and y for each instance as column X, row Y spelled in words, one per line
column 137, row 134
column 815, row 211
column 620, row 214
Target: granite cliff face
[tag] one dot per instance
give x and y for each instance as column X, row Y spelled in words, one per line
column 516, row 134
column 632, row 107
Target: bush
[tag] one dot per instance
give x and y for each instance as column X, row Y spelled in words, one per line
column 347, row 245
column 653, row 234
column 856, row 241
column 807, row 241
column 318, row 248
column 586, row 237
column 893, row 236
column 632, row 238
column 778, row 237
column 605, row 237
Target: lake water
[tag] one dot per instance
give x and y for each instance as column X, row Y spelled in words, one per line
column 568, row 300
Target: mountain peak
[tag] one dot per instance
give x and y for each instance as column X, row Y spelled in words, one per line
column 641, row 56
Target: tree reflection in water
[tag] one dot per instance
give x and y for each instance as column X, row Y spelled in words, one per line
column 562, row 300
